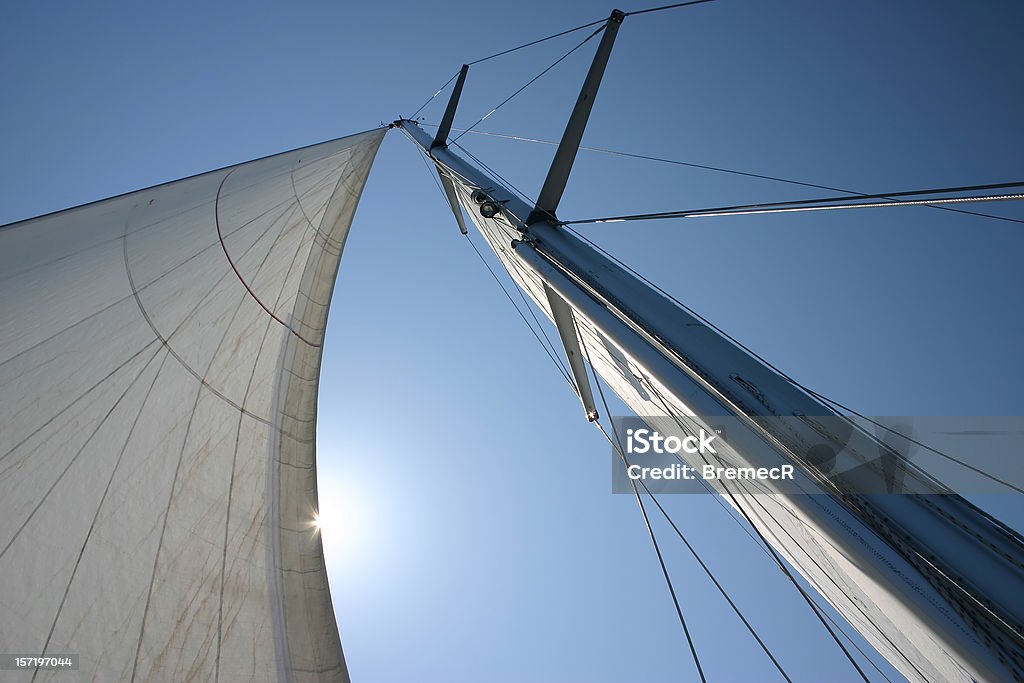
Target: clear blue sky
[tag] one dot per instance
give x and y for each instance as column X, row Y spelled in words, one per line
column 481, row 541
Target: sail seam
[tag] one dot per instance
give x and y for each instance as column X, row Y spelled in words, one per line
column 220, row 236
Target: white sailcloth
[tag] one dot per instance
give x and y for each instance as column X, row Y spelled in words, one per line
column 159, row 361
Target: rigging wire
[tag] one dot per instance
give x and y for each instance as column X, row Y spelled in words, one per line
column 853, row 602
column 643, row 511
column 508, row 184
column 818, row 610
column 836, row 405
column 549, row 351
column 789, row 207
column 778, row 560
column 769, row 552
column 719, row 169
column 551, row 37
column 553, row 358
column 824, row 203
column 711, row 576
column 665, row 7
column 550, row 347
column 438, row 92
column 505, row 52
column 539, row 40
column 799, row 209
column 618, row 449
column 661, row 561
column 531, row 81
column 533, row 314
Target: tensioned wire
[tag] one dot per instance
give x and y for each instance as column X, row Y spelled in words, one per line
column 814, row 607
column 559, row 34
column 778, row 561
column 549, row 347
column 825, row 204
column 505, row 52
column 643, row 509
column 763, row 545
column 719, row 169
column 529, row 83
column 616, row 446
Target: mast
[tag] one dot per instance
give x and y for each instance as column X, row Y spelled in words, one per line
column 932, row 582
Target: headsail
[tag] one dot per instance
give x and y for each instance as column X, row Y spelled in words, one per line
column 159, row 361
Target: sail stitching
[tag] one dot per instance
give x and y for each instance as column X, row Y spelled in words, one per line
column 216, row 216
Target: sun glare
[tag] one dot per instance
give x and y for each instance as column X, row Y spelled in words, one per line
column 323, row 520
column 344, row 522
column 333, row 518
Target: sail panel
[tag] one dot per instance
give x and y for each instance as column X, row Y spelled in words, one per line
column 159, row 363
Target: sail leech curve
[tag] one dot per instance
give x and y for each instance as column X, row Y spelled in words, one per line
column 159, row 401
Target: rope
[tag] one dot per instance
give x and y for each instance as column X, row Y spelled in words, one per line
column 814, row 608
column 763, row 545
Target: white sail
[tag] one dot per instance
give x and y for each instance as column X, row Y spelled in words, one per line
column 159, row 360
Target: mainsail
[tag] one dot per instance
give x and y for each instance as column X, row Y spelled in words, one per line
column 159, row 361
column 931, row 582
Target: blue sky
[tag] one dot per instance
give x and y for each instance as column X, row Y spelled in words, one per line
column 479, row 540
